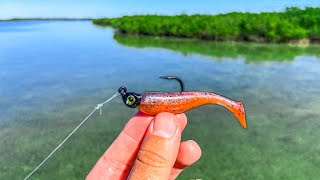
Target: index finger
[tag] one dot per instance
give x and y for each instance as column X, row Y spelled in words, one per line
column 119, row 157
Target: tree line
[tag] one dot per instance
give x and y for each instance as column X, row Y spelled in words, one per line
column 292, row 24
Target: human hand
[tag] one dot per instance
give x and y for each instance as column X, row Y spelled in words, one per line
column 148, row 148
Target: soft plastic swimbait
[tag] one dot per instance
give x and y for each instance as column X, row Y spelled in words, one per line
column 152, row 103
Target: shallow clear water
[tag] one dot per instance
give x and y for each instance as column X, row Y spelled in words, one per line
column 52, row 74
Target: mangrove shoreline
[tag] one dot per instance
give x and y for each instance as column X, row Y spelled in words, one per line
column 294, row 25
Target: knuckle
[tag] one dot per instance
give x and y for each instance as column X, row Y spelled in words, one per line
column 114, row 166
column 153, row 159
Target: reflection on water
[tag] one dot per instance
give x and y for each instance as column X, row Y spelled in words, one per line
column 53, row 74
column 250, row 52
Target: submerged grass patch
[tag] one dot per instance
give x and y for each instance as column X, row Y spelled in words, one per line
column 41, row 102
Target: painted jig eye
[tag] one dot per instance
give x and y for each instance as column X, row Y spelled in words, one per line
column 130, row 100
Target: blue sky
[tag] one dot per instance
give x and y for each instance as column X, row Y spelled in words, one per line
column 114, row 8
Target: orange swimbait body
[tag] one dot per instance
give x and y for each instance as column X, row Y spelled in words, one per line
column 153, row 103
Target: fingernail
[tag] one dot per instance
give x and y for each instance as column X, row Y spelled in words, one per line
column 165, row 125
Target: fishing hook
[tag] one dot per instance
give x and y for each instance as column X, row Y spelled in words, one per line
column 174, row 78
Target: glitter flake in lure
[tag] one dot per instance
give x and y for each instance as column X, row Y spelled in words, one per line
column 153, row 103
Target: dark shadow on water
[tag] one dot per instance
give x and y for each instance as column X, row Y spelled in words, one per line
column 251, row 52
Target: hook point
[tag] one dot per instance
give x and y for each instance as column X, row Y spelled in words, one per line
column 174, row 78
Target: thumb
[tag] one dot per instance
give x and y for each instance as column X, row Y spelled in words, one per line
column 159, row 149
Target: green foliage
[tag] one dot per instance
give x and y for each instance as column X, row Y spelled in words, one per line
column 293, row 24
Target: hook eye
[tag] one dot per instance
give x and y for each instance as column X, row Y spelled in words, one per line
column 122, row 90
